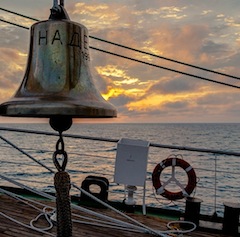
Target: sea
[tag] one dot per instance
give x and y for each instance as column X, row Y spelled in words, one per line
column 217, row 174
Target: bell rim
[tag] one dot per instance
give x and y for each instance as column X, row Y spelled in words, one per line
column 33, row 109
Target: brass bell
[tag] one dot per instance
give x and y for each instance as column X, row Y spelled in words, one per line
column 58, row 80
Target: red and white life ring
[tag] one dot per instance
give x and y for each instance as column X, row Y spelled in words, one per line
column 160, row 188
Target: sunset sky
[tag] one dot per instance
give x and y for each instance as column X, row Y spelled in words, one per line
column 204, row 33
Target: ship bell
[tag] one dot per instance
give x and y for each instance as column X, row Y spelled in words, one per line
column 58, row 80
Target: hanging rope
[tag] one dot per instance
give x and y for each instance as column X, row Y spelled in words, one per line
column 62, row 185
column 64, row 220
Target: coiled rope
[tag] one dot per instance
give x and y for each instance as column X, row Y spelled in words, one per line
column 112, row 222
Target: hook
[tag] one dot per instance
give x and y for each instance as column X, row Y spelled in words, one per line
column 57, row 11
column 56, row 7
column 55, row 4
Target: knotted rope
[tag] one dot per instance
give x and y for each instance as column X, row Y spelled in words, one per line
column 64, row 219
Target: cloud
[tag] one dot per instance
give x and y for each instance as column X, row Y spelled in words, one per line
column 178, row 105
column 14, row 37
column 120, row 75
column 210, row 47
column 97, row 16
column 173, row 85
column 219, row 99
column 162, row 12
column 201, row 34
column 12, row 70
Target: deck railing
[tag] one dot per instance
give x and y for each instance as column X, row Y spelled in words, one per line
column 217, row 172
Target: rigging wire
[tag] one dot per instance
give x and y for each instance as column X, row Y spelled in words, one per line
column 18, row 14
column 166, row 68
column 165, row 58
column 15, row 24
column 143, row 62
column 137, row 50
column 135, row 224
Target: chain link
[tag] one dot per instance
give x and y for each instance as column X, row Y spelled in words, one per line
column 60, row 152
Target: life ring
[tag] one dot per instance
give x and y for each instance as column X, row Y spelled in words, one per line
column 160, row 188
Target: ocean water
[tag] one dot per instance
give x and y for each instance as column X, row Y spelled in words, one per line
column 217, row 175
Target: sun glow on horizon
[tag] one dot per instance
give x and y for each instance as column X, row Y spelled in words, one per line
column 154, row 101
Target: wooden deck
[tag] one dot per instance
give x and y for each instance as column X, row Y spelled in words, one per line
column 24, row 213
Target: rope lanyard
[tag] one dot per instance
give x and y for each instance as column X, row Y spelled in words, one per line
column 62, row 181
